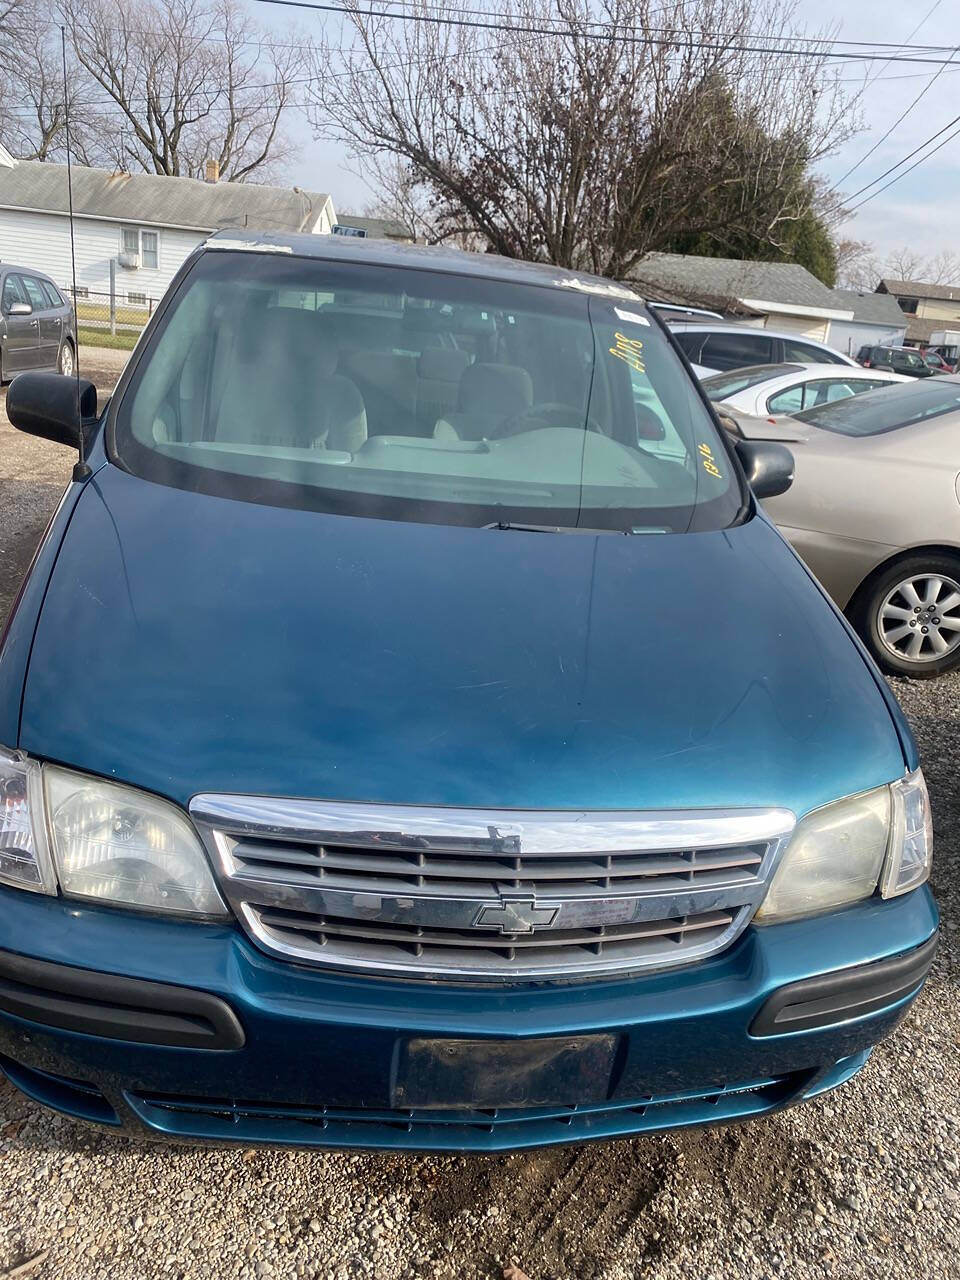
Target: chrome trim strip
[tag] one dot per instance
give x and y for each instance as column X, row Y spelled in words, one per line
column 489, row 830
column 432, row 911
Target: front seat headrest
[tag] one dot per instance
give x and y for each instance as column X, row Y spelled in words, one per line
column 495, row 389
column 442, row 364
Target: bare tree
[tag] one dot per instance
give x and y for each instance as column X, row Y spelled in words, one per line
column 907, row 264
column 904, row 264
column 588, row 134
column 943, row 268
column 400, row 197
column 173, row 83
column 858, row 266
column 32, row 113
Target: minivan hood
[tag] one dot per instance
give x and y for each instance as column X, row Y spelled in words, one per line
column 191, row 643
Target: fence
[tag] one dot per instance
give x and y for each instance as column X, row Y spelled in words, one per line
column 111, row 319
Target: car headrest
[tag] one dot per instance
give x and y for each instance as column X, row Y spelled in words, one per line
column 295, row 336
column 495, row 389
column 440, row 364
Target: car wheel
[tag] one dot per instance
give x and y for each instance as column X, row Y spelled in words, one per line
column 65, row 363
column 909, row 617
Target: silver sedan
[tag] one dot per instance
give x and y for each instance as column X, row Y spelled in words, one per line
column 874, row 510
column 790, row 388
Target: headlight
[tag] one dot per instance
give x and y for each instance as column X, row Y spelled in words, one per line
column 845, row 851
column 126, row 847
column 101, row 841
column 24, row 856
column 911, row 837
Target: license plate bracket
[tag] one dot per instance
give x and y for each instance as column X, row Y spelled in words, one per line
column 462, row 1074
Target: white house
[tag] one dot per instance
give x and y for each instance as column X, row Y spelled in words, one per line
column 146, row 223
column 775, row 295
column 877, row 320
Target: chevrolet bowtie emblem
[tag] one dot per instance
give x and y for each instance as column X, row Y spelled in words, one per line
column 517, row 915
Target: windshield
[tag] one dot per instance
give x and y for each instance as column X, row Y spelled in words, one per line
column 889, row 409
column 414, row 394
column 722, row 385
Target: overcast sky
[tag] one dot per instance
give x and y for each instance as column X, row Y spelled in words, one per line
column 922, row 211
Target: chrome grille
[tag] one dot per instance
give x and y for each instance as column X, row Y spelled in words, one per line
column 471, row 894
column 442, row 948
column 383, row 869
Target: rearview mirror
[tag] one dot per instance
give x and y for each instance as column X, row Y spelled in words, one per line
column 649, row 426
column 768, row 466
column 45, row 404
column 19, row 309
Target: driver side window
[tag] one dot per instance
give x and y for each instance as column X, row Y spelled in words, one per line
column 11, row 293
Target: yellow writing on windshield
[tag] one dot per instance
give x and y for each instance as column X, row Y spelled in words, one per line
column 630, row 350
column 706, row 457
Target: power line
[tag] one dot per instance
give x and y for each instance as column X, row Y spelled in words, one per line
column 906, row 44
column 899, row 120
column 515, row 28
column 907, row 157
column 666, row 34
column 874, row 194
column 418, row 7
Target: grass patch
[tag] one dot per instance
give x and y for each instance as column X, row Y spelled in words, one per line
column 136, row 317
column 104, row 338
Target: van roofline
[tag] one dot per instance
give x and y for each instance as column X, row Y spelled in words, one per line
column 386, row 253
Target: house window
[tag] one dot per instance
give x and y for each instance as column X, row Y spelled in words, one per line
column 148, row 249
column 144, row 244
column 909, row 305
column 130, row 240
column 137, row 299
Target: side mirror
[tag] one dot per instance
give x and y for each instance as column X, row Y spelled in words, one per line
column 45, row 404
column 730, row 425
column 768, row 466
column 19, row 309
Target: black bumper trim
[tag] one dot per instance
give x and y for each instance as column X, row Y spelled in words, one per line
column 848, row 993
column 102, row 1004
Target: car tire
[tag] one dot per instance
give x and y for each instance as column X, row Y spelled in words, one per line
column 918, row 596
column 66, row 358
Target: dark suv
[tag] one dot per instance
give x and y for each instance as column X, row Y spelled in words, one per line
column 898, row 359
column 37, row 329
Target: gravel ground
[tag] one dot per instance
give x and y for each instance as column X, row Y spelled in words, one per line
column 861, row 1183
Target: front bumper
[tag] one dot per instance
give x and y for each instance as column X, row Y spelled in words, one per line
column 318, row 1059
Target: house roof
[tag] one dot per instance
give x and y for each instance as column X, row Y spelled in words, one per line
column 377, row 228
column 757, row 286
column 872, row 308
column 919, row 330
column 156, row 200
column 918, row 289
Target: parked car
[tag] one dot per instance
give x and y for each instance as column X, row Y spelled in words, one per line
column 677, row 311
column 946, row 343
column 443, row 768
column 897, row 359
column 935, row 361
column 788, row 388
column 37, row 329
column 717, row 348
column 890, row 557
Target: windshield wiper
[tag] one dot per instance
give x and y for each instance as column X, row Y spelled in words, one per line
column 562, row 528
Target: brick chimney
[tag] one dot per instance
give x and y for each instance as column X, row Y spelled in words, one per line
column 213, row 171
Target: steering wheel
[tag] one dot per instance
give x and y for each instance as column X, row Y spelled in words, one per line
column 550, row 413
